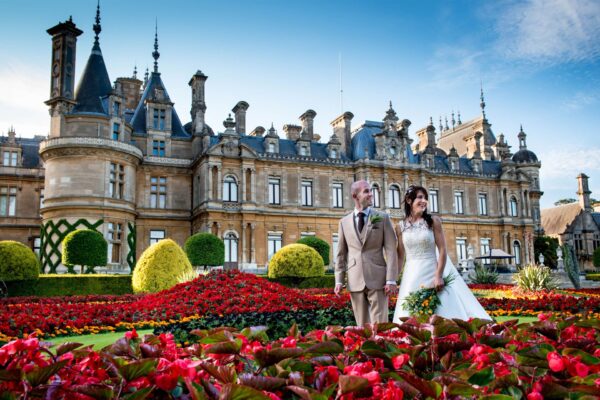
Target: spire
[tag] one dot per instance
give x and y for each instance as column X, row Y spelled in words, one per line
column 135, row 72
column 155, row 53
column 441, row 126
column 482, row 104
column 97, row 27
column 459, row 121
column 522, row 139
column 453, row 120
column 446, row 120
column 146, row 77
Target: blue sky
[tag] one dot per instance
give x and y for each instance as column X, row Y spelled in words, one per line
column 539, row 61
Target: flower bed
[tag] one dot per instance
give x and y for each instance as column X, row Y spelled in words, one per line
column 439, row 359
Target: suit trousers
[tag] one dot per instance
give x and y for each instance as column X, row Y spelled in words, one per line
column 369, row 306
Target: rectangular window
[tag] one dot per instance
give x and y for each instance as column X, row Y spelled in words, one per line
column 483, row 209
column 156, row 236
column 484, row 248
column 6, row 158
column 158, row 148
column 458, row 203
column 307, row 193
column 8, row 201
column 578, row 243
column 307, row 234
column 461, row 249
column 274, row 242
column 113, row 237
column 116, row 181
column 375, row 191
column 116, row 108
column 274, row 191
column 41, row 197
column 158, row 192
column 394, row 196
column 338, row 195
column 14, row 156
column 158, row 121
column 116, row 131
column 433, row 201
column 37, row 245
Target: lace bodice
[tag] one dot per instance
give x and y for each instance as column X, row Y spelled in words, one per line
column 418, row 240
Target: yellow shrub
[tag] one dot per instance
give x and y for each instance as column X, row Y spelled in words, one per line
column 296, row 260
column 159, row 267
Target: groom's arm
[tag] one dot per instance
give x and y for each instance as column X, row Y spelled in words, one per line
column 341, row 260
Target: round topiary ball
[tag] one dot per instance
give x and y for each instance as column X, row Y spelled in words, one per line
column 85, row 247
column 321, row 246
column 17, row 262
column 160, row 267
column 296, row 260
column 205, row 249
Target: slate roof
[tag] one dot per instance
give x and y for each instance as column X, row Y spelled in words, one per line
column 30, row 150
column 525, row 156
column 94, row 85
column 596, row 217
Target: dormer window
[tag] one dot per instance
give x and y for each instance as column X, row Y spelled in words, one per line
column 116, row 131
column 116, row 108
column 334, row 153
column 10, row 159
column 158, row 121
column 303, row 151
column 271, row 148
column 393, row 150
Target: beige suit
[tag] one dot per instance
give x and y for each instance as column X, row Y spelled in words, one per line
column 367, row 260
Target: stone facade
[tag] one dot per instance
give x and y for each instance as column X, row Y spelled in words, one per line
column 118, row 155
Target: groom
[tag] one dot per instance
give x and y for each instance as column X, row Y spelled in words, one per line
column 367, row 256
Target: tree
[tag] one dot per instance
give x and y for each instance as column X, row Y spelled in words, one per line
column 564, row 201
column 547, row 246
column 84, row 247
column 321, row 246
column 205, row 249
column 596, row 257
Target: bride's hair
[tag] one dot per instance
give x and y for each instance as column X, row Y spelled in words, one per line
column 411, row 194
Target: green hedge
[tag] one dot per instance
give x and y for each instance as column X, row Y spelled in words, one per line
column 321, row 246
column 71, row 285
column 326, row 281
column 592, row 277
column 205, row 249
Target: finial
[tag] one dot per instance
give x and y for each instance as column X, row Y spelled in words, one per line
column 441, row 126
column 146, row 76
column 482, row 104
column 272, row 127
column 521, row 128
column 135, row 71
column 97, row 27
column 431, row 121
column 155, row 53
column 459, row 121
column 453, row 120
column 391, row 105
column 446, row 119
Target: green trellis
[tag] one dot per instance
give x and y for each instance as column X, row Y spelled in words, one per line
column 131, row 239
column 52, row 235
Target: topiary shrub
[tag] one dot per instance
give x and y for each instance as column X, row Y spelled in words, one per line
column 296, row 260
column 321, row 246
column 205, row 249
column 160, row 267
column 533, row 278
column 17, row 262
column 571, row 265
column 596, row 257
column 84, row 247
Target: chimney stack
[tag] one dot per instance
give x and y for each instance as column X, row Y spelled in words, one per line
column 342, row 129
column 131, row 91
column 198, row 104
column 584, row 192
column 307, row 120
column 240, row 117
column 292, row 132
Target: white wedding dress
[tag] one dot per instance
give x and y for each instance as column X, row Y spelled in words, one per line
column 457, row 300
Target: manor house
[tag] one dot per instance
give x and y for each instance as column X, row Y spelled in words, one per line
column 119, row 159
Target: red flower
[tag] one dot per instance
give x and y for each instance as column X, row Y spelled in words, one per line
column 555, row 362
column 131, row 334
column 289, row 342
column 166, row 381
column 535, row 396
column 400, row 360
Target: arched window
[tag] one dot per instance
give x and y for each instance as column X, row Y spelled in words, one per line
column 517, row 252
column 230, row 189
column 394, row 194
column 231, row 247
column 393, row 150
column 376, row 193
column 514, row 211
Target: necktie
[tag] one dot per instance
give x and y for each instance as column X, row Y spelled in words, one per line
column 361, row 221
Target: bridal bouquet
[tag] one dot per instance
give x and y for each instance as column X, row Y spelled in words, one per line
column 424, row 302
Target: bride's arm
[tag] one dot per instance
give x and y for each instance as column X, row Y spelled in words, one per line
column 401, row 252
column 440, row 242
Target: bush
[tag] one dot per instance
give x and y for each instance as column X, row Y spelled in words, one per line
column 483, row 275
column 321, row 246
column 547, row 246
column 71, row 285
column 592, row 277
column 84, row 247
column 205, row 249
column 533, row 278
column 159, row 267
column 571, row 265
column 296, row 260
column 17, row 262
column 596, row 257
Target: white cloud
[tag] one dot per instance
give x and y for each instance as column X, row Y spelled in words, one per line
column 580, row 100
column 550, row 31
column 26, row 88
column 562, row 165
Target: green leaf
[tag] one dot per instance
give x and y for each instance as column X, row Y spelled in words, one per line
column 66, row 347
column 534, row 356
column 196, row 391
column 444, row 327
column 293, row 332
column 229, row 347
column 497, row 397
column 586, row 357
column 268, row 383
column 40, row 375
column 350, row 383
column 256, row 332
column 138, row 368
column 239, row 392
column 420, row 335
column 306, row 393
column 471, row 326
column 588, row 323
column 223, row 374
column 462, row 389
column 217, row 337
column 494, row 341
column 482, row 377
column 428, row 388
column 266, row 358
column 139, row 394
column 329, row 347
column 96, row 390
column 552, row 390
column 385, row 326
column 515, row 392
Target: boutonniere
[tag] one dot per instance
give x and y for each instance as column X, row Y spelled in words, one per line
column 375, row 218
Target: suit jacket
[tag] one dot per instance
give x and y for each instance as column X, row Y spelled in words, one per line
column 368, row 259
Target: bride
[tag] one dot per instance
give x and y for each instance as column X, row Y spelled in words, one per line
column 419, row 234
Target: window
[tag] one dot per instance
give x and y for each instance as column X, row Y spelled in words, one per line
column 10, row 158
column 8, row 201
column 307, row 198
column 231, row 248
column 116, row 131
column 6, row 158
column 394, row 194
column 158, row 148
column 158, row 120
column 484, row 248
column 483, row 204
column 274, row 243
column 230, row 192
column 41, row 197
column 303, row 150
column 375, row 191
column 156, row 236
column 433, row 201
column 461, row 249
column 158, row 192
column 513, row 207
column 458, row 203
column 517, row 252
column 115, row 188
column 116, row 108
column 114, row 233
column 274, row 191
column 307, row 234
column 393, row 150
column 338, row 197
column 596, row 241
column 37, row 245
column 334, row 245
column 334, row 153
column 578, row 243
column 271, row 148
